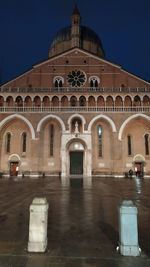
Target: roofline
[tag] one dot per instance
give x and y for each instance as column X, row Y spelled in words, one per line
column 135, row 76
column 79, row 50
column 70, row 51
column 17, row 77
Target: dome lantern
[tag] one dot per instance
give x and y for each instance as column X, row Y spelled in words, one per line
column 75, row 27
column 76, row 35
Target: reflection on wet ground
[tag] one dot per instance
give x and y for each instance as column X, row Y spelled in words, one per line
column 82, row 224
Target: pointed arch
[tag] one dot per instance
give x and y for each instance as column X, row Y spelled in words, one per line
column 18, row 116
column 76, row 116
column 128, row 120
column 50, row 117
column 113, row 126
column 83, row 121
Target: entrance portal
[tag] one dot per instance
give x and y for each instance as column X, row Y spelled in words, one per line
column 13, row 168
column 76, row 162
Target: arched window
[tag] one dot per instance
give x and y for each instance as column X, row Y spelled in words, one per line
column 82, row 101
column 58, row 81
column 8, row 142
column 73, row 101
column 24, row 142
column 19, row 101
column 100, row 134
column 1, row 100
column 28, row 101
column 129, row 145
column 146, row 137
column 137, row 101
column 51, row 133
column 37, row 101
column 94, row 81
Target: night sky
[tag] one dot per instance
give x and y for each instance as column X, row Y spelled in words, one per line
column 27, row 28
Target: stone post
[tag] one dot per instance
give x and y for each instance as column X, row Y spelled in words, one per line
column 128, row 229
column 38, row 225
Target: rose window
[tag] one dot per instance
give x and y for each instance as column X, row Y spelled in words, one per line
column 76, row 78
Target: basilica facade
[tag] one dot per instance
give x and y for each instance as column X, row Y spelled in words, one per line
column 75, row 114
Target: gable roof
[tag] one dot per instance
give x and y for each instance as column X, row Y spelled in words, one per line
column 75, row 49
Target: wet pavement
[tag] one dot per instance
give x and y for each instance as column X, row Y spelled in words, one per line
column 82, row 222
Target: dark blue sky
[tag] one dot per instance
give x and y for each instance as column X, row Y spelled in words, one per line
column 27, row 28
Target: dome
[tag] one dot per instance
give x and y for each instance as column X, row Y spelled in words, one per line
column 89, row 41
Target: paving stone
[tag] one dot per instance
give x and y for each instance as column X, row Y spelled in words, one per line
column 82, row 223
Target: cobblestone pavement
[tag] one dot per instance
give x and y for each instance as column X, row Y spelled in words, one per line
column 82, row 223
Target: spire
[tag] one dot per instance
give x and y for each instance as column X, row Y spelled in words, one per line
column 76, row 10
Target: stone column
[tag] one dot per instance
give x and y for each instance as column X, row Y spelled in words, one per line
column 38, row 225
column 128, row 229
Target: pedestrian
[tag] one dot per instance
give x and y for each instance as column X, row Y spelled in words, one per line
column 130, row 173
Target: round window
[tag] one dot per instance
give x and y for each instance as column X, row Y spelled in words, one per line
column 76, row 78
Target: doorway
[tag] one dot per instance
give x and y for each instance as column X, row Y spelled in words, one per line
column 13, row 166
column 76, row 162
column 139, row 166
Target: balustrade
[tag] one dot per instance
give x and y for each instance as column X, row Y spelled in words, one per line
column 74, row 90
column 83, row 109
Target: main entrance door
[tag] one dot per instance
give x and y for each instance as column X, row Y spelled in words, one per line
column 76, row 162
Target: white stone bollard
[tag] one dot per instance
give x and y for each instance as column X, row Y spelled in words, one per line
column 38, row 225
column 128, row 229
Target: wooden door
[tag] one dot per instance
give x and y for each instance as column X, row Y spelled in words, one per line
column 76, row 162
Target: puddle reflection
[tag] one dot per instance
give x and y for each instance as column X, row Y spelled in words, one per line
column 138, row 185
column 138, row 189
column 76, row 205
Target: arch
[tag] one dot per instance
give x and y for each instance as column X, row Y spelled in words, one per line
column 37, row 101
column 128, row 120
column 76, row 146
column 73, row 101
column 46, row 101
column 137, row 101
column 118, row 101
column 1, row 101
column 55, row 101
column 50, row 117
column 18, row 116
column 146, row 100
column 76, row 116
column 127, row 101
column 64, row 101
column 138, row 157
column 91, row 101
column 109, row 101
column 82, row 101
column 113, row 126
column 58, row 81
column 9, row 101
column 28, row 101
column 94, row 81
column 19, row 101
column 14, row 157
column 100, row 101
column 76, row 140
